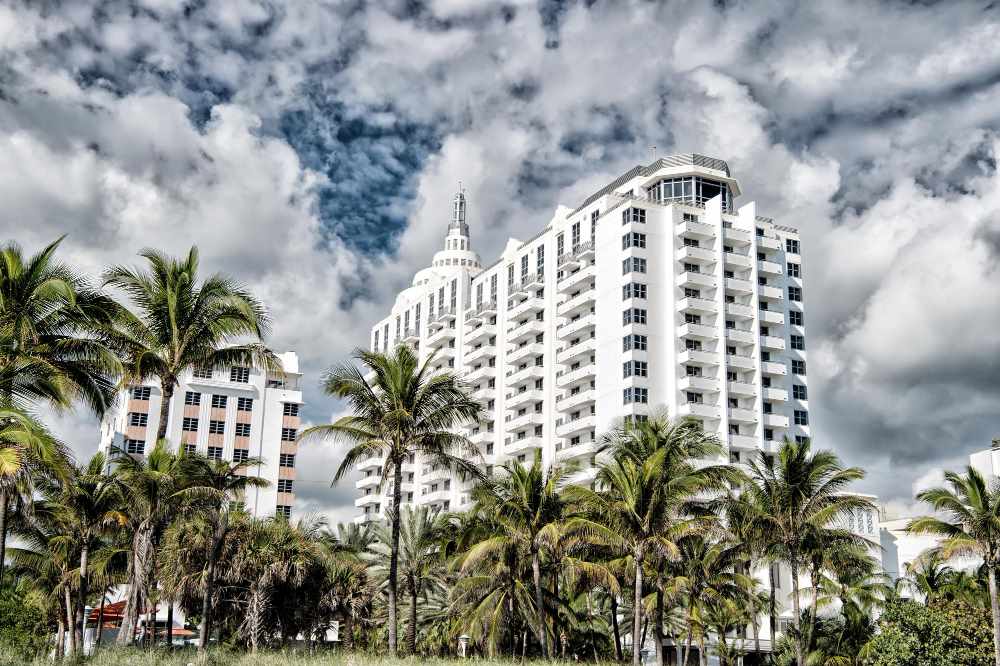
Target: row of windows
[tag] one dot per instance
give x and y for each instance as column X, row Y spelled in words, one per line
column 637, row 215
column 633, row 290
column 635, row 369
column 219, row 401
column 634, row 239
column 236, row 374
column 634, row 341
column 633, row 264
column 634, row 316
column 635, row 394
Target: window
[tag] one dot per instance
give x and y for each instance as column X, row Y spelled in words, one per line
column 801, row 417
column 240, row 455
column 793, row 269
column 634, row 239
column 288, row 434
column 238, row 374
column 242, row 429
column 691, row 318
column 797, row 342
column 140, row 392
column 215, row 453
column 635, row 369
column 799, row 392
column 634, row 316
column 635, row 394
column 694, row 397
column 284, row 485
column 690, row 242
column 633, row 264
column 290, row 409
column 285, row 511
column 693, row 345
column 692, row 370
column 633, row 290
column 634, row 341
column 244, row 404
column 524, row 267
column 190, row 449
column 219, row 401
column 798, row 367
column 690, row 217
column 575, row 236
column 795, row 293
column 769, row 434
column 791, row 246
column 202, row 373
column 138, row 419
column 795, row 317
column 637, row 215
column 216, row 427
column 691, row 293
column 286, row 460
column 692, row 268
column 768, row 408
column 192, row 398
column 135, row 446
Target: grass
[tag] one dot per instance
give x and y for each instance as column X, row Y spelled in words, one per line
column 128, row 657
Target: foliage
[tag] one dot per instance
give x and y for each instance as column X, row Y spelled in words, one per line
column 23, row 622
column 944, row 634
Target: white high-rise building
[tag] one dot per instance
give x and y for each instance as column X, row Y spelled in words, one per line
column 235, row 414
column 654, row 294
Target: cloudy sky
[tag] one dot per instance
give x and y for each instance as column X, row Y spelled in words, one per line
column 311, row 148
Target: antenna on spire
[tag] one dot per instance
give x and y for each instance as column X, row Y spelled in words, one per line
column 652, row 151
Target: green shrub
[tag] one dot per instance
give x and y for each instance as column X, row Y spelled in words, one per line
column 943, row 634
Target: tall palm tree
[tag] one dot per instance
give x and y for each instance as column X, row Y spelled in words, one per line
column 419, row 563
column 970, row 524
column 212, row 485
column 149, row 485
column 180, row 323
column 793, row 495
column 406, row 410
column 50, row 348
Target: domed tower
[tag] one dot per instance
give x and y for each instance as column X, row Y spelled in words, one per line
column 457, row 252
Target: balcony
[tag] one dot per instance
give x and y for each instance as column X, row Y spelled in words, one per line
column 569, row 428
column 691, row 279
column 738, row 286
column 525, row 352
column 483, row 391
column 475, row 375
column 740, row 261
column 435, row 496
column 769, row 267
column 529, row 419
column 741, row 389
column 775, row 420
column 775, row 394
column 696, row 305
column 430, row 474
column 411, row 336
column 569, row 378
column 373, row 462
column 369, row 500
column 576, row 256
column 739, row 361
column 738, row 311
column 582, row 325
column 742, row 442
column 482, row 313
column 697, row 331
column 482, row 438
column 578, row 279
column 525, row 330
column 772, row 342
column 737, row 236
column 568, row 401
column 693, row 383
column 769, row 293
column 697, row 357
column 769, row 317
column 523, row 374
column 581, row 303
column 739, row 415
column 526, row 446
column 518, row 399
column 440, row 337
column 444, row 318
column 528, row 306
column 699, row 410
column 695, row 229
column 768, row 243
column 773, row 368
column 528, row 282
column 739, row 336
column 567, row 451
column 695, row 255
column 480, row 354
column 371, row 481
column 581, row 350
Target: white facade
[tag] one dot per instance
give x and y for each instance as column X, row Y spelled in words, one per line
column 654, row 294
column 230, row 414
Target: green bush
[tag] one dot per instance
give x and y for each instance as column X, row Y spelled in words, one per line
column 22, row 625
column 943, row 634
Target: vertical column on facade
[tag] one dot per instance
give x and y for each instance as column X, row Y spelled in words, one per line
column 748, row 219
column 713, row 218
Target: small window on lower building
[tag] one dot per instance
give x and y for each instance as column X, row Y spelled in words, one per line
column 135, row 446
column 140, row 392
column 240, row 455
column 801, row 417
column 138, row 419
column 215, row 453
column 241, row 375
column 189, row 424
column 242, row 429
column 283, row 511
column 286, row 460
column 244, row 404
column 190, row 449
column 288, row 434
column 284, row 485
column 217, row 427
column 799, row 392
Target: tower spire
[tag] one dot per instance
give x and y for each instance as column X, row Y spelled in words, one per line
column 458, row 212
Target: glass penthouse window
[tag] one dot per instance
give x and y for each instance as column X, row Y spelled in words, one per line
column 690, row 189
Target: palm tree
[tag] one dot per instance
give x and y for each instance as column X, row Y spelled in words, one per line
column 149, row 486
column 419, row 563
column 180, row 323
column 791, row 497
column 212, row 485
column 49, row 348
column 405, row 411
column 970, row 525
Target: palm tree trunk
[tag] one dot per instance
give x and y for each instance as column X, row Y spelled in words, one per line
column 4, row 499
column 590, row 625
column 169, row 638
column 348, row 630
column 991, row 572
column 397, row 496
column 166, row 393
column 756, row 639
column 637, row 611
column 60, row 638
column 206, row 599
column 614, row 626
column 795, row 609
column 411, row 629
column 772, row 604
column 70, row 622
column 100, row 622
column 513, row 626
column 690, row 634
column 536, row 574
column 814, row 581
column 658, row 622
column 136, row 586
column 84, row 563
